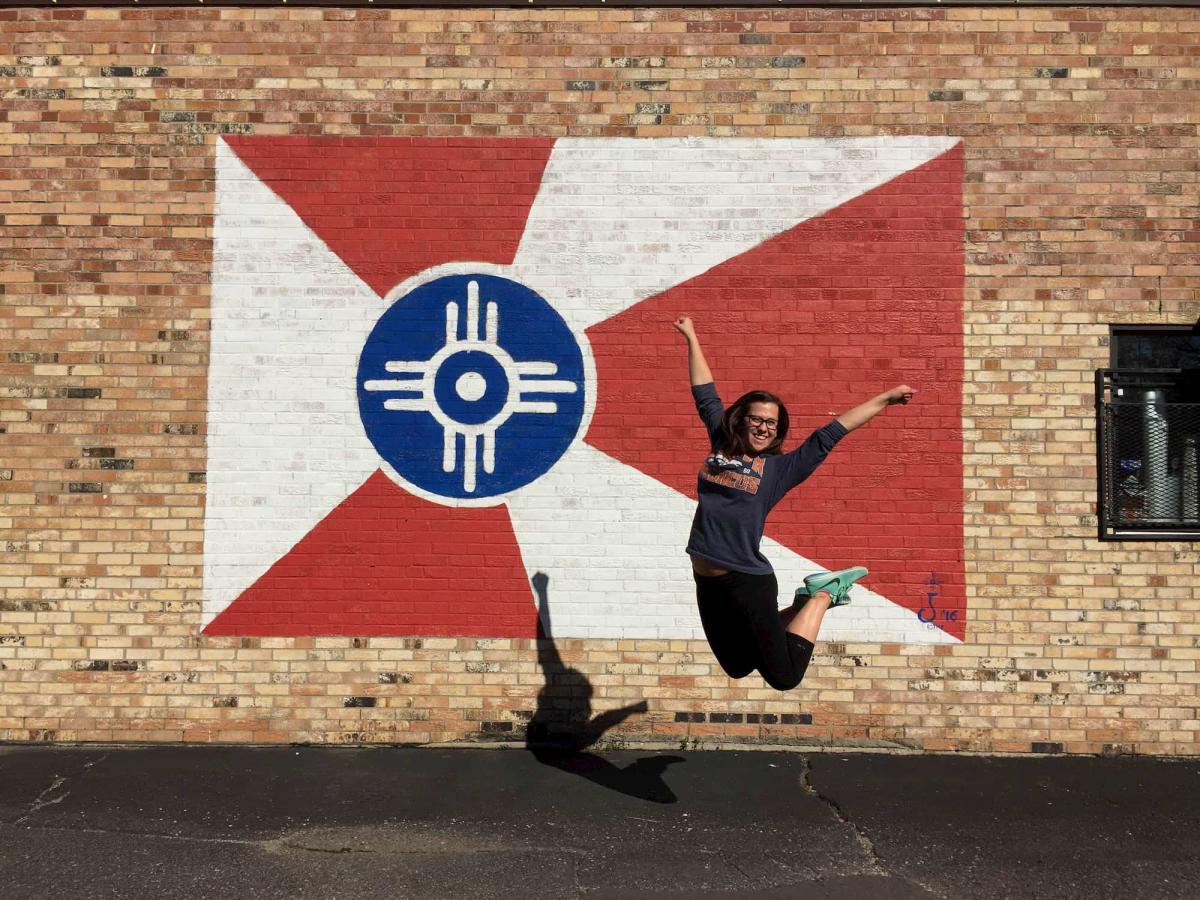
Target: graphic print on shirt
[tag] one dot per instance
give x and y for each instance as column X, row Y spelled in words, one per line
column 747, row 477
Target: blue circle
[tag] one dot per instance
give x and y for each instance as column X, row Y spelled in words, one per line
column 413, row 331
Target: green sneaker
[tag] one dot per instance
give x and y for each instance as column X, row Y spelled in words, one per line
column 837, row 584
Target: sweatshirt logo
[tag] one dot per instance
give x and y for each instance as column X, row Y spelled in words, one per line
column 741, row 475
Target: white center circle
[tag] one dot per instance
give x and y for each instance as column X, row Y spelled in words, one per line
column 470, row 386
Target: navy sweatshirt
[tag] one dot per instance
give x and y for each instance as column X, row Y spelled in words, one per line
column 728, row 527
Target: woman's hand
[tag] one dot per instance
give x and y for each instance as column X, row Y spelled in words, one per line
column 901, row 393
column 685, row 327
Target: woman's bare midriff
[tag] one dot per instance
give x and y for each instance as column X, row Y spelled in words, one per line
column 707, row 569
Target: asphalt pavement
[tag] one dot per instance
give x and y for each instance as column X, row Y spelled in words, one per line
column 311, row 822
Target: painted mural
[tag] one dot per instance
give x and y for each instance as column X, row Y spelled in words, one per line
column 440, row 368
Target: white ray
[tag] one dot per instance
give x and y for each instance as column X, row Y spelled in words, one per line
column 534, row 406
column 416, row 404
column 472, row 311
column 492, row 333
column 626, row 575
column 536, row 368
column 405, row 366
column 468, row 460
column 620, row 220
column 391, row 385
column 537, row 386
column 489, row 452
column 449, row 449
column 285, row 442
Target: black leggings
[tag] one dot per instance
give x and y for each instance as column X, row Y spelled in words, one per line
column 741, row 621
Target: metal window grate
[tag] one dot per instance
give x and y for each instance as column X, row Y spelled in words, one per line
column 1148, row 454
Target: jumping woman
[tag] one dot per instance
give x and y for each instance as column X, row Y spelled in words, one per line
column 739, row 484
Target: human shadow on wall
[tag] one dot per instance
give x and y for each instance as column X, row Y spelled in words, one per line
column 562, row 727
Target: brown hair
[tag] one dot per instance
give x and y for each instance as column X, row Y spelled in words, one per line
column 731, row 441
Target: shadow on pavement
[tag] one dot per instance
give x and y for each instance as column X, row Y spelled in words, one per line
column 562, row 727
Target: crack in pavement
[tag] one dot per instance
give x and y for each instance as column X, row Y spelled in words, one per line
column 876, row 861
column 329, row 850
column 741, row 871
column 284, row 844
column 40, row 802
column 145, row 834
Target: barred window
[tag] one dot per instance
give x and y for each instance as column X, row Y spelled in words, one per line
column 1148, row 435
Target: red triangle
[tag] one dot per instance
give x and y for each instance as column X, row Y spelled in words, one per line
column 826, row 315
column 393, row 207
column 387, row 563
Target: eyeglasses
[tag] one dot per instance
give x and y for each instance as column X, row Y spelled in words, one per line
column 760, row 422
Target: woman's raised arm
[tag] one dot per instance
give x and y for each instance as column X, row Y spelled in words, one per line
column 865, row 412
column 698, row 369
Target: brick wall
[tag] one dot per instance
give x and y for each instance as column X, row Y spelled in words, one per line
column 1076, row 137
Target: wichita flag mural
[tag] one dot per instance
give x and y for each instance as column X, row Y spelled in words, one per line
column 440, row 367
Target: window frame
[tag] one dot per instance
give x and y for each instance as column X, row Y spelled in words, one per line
column 1104, row 379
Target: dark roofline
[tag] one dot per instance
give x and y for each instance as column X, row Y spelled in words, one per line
column 584, row 4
